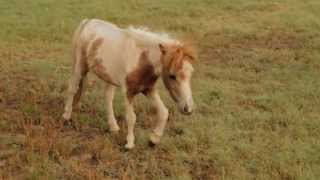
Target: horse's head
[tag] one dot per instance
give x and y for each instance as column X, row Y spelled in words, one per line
column 177, row 72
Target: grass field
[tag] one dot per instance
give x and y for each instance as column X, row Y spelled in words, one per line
column 256, row 86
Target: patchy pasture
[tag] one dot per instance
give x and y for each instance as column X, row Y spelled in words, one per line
column 256, row 87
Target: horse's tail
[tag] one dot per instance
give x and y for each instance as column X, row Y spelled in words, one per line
column 76, row 42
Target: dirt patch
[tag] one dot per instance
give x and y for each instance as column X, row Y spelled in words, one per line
column 28, row 50
column 203, row 169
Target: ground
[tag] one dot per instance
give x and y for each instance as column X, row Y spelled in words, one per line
column 256, row 86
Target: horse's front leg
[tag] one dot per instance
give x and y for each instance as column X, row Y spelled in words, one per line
column 162, row 116
column 131, row 120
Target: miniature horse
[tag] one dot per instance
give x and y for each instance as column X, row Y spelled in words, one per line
column 132, row 59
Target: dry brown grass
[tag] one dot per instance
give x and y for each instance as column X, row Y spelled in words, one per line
column 256, row 87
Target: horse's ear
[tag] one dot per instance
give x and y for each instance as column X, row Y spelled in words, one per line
column 163, row 49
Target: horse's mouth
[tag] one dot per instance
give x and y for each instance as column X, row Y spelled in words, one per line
column 185, row 112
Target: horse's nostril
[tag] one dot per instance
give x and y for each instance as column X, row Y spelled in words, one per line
column 186, row 109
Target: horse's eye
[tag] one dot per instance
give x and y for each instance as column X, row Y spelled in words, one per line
column 172, row 77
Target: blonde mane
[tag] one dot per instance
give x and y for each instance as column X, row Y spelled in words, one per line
column 145, row 37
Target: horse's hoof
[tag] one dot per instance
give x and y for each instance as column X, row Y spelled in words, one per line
column 66, row 116
column 129, row 146
column 114, row 130
column 154, row 139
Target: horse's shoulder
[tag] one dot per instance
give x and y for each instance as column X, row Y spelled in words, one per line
column 142, row 78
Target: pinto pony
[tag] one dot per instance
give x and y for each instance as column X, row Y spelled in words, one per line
column 132, row 59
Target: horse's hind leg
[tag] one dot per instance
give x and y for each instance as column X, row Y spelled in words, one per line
column 75, row 88
column 109, row 106
column 77, row 96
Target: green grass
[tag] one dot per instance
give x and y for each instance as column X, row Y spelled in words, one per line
column 256, row 87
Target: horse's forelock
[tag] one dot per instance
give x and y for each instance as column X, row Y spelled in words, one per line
column 189, row 51
column 179, row 55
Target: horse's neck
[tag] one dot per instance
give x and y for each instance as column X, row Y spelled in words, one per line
column 154, row 55
column 150, row 41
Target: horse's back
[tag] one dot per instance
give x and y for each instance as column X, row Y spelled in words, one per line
column 102, row 29
column 115, row 61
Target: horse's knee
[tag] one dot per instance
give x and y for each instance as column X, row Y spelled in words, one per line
column 163, row 114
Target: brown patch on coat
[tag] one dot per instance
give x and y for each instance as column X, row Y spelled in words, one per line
column 101, row 72
column 142, row 79
column 95, row 63
column 93, row 50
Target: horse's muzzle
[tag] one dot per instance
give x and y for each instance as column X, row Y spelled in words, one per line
column 186, row 110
